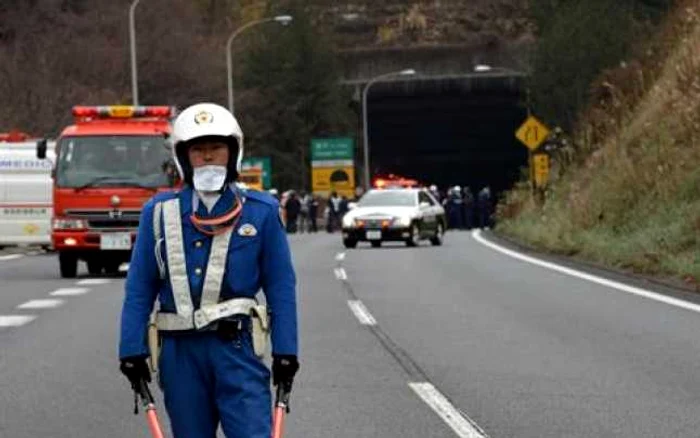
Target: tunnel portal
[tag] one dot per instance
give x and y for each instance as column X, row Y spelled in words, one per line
column 449, row 131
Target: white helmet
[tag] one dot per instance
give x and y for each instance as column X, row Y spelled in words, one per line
column 433, row 188
column 207, row 120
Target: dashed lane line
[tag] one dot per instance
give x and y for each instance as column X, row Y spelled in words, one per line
column 15, row 320
column 361, row 313
column 457, row 420
column 93, row 281
column 340, row 274
column 69, row 291
column 40, row 304
column 340, row 257
column 462, row 425
column 11, row 257
column 589, row 277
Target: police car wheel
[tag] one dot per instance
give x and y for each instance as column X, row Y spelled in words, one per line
column 376, row 243
column 436, row 240
column 68, row 264
column 350, row 243
column 414, row 238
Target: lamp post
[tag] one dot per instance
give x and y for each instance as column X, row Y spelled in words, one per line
column 132, row 41
column 365, row 91
column 282, row 19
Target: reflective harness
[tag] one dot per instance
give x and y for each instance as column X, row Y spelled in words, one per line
column 210, row 309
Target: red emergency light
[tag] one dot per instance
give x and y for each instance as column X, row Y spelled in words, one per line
column 13, row 136
column 393, row 181
column 122, row 112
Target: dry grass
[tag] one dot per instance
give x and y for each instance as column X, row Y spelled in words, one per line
column 631, row 199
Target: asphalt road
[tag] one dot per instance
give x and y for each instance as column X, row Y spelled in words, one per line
column 458, row 340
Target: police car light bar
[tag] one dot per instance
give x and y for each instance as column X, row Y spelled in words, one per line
column 122, row 111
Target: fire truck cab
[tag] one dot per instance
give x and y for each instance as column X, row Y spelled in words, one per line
column 108, row 164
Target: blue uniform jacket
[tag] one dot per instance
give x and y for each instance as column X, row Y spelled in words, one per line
column 254, row 262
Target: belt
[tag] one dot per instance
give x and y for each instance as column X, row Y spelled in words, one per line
column 204, row 316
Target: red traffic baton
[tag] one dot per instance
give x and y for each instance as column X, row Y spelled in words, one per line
column 281, row 409
column 149, row 406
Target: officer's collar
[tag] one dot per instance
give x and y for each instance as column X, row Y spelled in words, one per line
column 188, row 198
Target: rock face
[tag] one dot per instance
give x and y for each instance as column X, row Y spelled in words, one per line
column 392, row 23
column 437, row 37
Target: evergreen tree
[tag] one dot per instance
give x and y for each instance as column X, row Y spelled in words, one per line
column 292, row 76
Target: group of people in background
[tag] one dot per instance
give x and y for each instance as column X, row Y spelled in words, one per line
column 464, row 210
column 300, row 210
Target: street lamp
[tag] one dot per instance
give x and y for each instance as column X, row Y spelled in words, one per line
column 282, row 19
column 132, row 38
column 365, row 91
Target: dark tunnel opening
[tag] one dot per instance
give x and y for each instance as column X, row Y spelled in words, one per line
column 457, row 131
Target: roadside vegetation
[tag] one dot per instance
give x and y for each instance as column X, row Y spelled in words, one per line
column 626, row 191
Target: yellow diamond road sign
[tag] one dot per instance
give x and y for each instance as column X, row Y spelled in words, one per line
column 532, row 133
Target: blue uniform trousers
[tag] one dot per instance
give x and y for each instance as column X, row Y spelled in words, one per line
column 207, row 380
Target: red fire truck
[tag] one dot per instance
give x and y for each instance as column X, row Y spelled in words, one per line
column 108, row 164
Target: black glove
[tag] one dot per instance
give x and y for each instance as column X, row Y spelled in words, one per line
column 135, row 369
column 284, row 367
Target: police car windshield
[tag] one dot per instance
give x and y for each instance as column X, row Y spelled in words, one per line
column 388, row 198
column 103, row 161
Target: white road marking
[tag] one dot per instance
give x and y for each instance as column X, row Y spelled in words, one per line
column 93, row 281
column 15, row 320
column 589, row 277
column 361, row 313
column 40, row 304
column 462, row 425
column 69, row 291
column 10, row 257
column 340, row 274
column 340, row 257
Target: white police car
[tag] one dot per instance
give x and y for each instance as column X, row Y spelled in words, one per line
column 394, row 215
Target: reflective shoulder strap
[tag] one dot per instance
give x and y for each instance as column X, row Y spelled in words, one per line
column 158, row 237
column 216, row 267
column 177, row 266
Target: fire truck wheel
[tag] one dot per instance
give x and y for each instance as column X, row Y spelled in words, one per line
column 69, row 265
column 94, row 267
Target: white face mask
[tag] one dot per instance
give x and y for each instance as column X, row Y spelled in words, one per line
column 209, row 178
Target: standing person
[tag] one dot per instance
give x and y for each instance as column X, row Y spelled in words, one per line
column 455, row 213
column 484, row 206
column 204, row 252
column 469, row 201
column 333, row 212
column 313, row 213
column 343, row 208
column 292, row 208
column 304, row 200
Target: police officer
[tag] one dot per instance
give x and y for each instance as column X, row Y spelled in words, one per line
column 204, row 252
column 455, row 209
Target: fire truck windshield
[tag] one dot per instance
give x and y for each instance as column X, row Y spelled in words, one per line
column 112, row 161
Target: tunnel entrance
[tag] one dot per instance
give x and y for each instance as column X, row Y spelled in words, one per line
column 449, row 131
